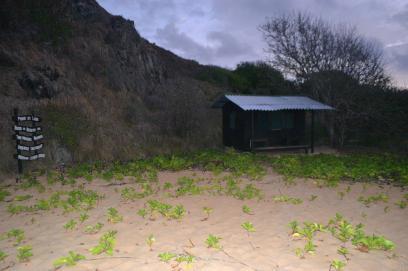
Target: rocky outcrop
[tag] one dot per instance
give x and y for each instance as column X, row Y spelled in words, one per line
column 72, row 58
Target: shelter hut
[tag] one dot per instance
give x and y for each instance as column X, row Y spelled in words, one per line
column 261, row 123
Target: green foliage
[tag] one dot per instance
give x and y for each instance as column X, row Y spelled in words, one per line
column 142, row 212
column 3, row 255
column 70, row 225
column 343, row 251
column 187, row 186
column 373, row 242
column 24, row 253
column 167, row 256
column 114, row 216
column 69, row 260
column 300, row 253
column 130, row 194
column 247, row 210
column 248, row 226
column 150, row 240
column 373, row 199
column 213, row 242
column 167, row 186
column 187, row 258
column 310, row 247
column 166, row 210
column 287, row 199
column 294, row 225
column 337, row 265
column 83, row 217
column 22, row 197
column 30, row 181
column 248, row 192
column 312, row 197
column 93, row 229
column 3, row 194
column 402, row 204
column 173, row 162
column 106, row 244
column 17, row 234
column 332, row 168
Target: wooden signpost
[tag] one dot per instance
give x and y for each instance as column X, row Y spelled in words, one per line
column 28, row 138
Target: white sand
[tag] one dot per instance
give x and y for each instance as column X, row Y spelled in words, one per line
column 269, row 248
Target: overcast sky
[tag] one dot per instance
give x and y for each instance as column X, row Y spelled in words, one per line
column 224, row 32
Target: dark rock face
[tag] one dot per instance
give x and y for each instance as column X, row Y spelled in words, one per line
column 134, row 98
column 39, row 83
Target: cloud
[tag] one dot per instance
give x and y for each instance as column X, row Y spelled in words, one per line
column 220, row 45
column 402, row 17
column 224, row 32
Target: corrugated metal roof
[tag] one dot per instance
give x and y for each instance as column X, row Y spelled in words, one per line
column 272, row 103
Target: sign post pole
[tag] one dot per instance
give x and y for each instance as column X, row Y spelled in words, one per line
column 19, row 161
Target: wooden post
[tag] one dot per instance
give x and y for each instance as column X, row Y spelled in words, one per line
column 312, row 133
column 19, row 162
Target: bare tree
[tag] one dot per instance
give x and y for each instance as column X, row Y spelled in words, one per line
column 302, row 45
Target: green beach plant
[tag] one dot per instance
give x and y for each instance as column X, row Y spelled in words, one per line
column 69, row 260
column 106, row 244
column 70, row 225
column 24, row 253
column 114, row 216
column 213, row 241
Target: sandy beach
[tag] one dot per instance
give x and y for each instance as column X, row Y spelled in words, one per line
column 269, row 247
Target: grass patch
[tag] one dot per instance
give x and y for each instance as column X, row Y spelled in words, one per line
column 333, row 168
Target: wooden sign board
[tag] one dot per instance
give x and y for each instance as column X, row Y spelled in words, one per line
column 27, row 138
column 27, row 129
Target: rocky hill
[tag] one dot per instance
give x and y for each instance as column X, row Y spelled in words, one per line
column 104, row 92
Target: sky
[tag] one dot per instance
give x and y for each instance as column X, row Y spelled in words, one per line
column 225, row 32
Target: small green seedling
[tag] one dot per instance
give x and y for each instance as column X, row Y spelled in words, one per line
column 17, row 234
column 294, row 226
column 3, row 194
column 167, row 186
column 341, row 194
column 207, row 211
column 343, row 251
column 166, row 256
column 287, row 199
column 142, row 212
column 114, row 216
column 373, row 199
column 93, row 229
column 213, row 242
column 69, row 260
column 337, row 265
column 248, row 226
column 22, row 197
column 83, row 217
column 187, row 258
column 106, row 244
column 247, row 210
column 150, row 241
column 310, row 247
column 70, row 225
column 402, row 204
column 178, row 212
column 3, row 255
column 24, row 253
column 300, row 253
